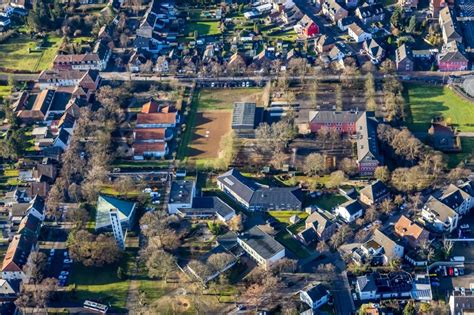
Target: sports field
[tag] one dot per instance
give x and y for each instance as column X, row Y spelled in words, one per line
column 209, row 128
column 210, row 119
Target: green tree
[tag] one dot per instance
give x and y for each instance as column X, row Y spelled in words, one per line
column 409, row 308
column 396, row 18
column 411, row 25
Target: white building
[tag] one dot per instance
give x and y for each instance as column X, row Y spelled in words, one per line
column 261, row 247
column 350, row 210
column 181, row 195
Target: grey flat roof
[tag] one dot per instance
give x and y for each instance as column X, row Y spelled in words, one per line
column 243, row 115
column 262, row 243
column 181, row 191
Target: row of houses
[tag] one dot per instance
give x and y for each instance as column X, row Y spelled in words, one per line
column 155, row 126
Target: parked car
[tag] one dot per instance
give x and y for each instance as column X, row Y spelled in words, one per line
column 451, row 271
column 456, row 272
column 67, row 261
column 461, row 272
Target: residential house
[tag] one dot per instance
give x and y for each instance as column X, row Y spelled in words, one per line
column 207, row 207
column 350, row 210
column 357, row 33
column 411, row 232
column 162, row 65
column 374, row 50
column 306, row 27
column 62, row 139
column 9, row 290
column 40, row 109
column 96, row 60
column 439, row 216
column 369, row 14
column 256, row 197
column 16, row 256
column 435, row 6
column 324, row 43
column 443, row 137
column 315, row 296
column 404, row 58
column 142, row 151
column 261, row 247
column 342, row 121
column 182, row 193
column 154, row 115
column 136, row 61
column 461, row 303
column 375, row 286
column 4, row 22
column 320, row 222
column 368, row 155
column 125, row 210
column 22, row 244
column 374, row 193
column 344, row 23
column 69, row 78
column 460, row 198
column 339, row 53
column 333, row 10
column 422, row 288
column 449, row 26
column 384, row 246
column 36, row 208
column 408, row 4
column 453, row 57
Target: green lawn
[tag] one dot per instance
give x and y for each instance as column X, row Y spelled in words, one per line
column 153, row 289
column 99, row 284
column 5, row 90
column 140, row 164
column 224, row 99
column 292, row 244
column 427, row 101
column 284, row 216
column 204, row 28
column 327, row 202
column 467, row 152
column 110, row 190
column 14, row 53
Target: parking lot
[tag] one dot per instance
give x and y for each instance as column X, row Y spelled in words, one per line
column 58, row 265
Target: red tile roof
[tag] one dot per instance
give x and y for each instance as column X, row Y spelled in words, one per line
column 140, row 148
column 149, row 134
column 156, row 118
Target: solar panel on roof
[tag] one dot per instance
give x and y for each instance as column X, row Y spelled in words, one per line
column 228, row 181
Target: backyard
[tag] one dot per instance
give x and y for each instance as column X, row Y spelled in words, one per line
column 21, row 53
column 204, row 28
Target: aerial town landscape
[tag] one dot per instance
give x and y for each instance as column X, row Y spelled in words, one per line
column 237, row 157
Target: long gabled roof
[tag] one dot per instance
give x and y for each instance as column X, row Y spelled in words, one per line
column 367, row 143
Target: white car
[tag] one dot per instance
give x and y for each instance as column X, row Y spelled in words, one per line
column 62, row 277
column 64, row 273
column 67, row 261
column 456, row 273
column 464, row 226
